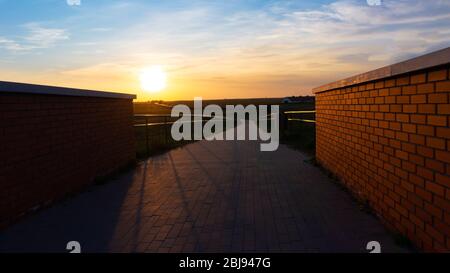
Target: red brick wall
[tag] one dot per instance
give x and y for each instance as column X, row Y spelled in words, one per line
column 388, row 141
column 53, row 145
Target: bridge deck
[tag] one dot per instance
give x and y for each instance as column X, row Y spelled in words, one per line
column 207, row 197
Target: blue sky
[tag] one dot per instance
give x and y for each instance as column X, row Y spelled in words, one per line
column 214, row 49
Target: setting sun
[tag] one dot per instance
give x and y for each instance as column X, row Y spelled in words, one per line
column 153, row 79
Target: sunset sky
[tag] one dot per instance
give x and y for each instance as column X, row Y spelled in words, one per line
column 213, row 49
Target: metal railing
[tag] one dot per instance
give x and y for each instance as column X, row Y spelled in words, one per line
column 151, row 127
column 297, row 116
column 156, row 126
column 154, row 129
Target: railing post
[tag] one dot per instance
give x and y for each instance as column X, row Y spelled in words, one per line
column 166, row 137
column 284, row 123
column 146, row 137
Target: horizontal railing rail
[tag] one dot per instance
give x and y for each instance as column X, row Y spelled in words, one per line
column 294, row 116
column 301, row 112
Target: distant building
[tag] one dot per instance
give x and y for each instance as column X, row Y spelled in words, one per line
column 299, row 99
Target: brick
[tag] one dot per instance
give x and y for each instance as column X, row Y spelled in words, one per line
column 417, row 139
column 444, row 109
column 443, row 156
column 443, row 86
column 426, row 108
column 435, row 165
column 425, row 173
column 403, row 81
column 389, row 99
column 425, row 88
column 389, row 83
column 442, row 203
column 417, row 221
column 425, row 130
column 435, row 211
column 402, row 118
column 384, row 124
column 373, row 123
column 379, row 100
column 408, row 167
column 437, row 120
column 435, row 188
column 408, row 147
column 435, row 234
column 411, row 108
column 395, row 143
column 437, row 75
column 401, row 136
column 395, row 91
column 419, row 119
column 417, row 159
column 443, row 132
column 383, row 92
column 424, row 195
column 395, row 108
column 384, row 108
column 418, row 99
column 425, row 151
column 434, row 142
column 438, row 98
column 379, row 116
column 422, row 214
column 395, row 161
column 443, row 180
column 409, row 90
column 410, row 128
column 389, row 116
column 419, row 78
column 379, row 84
column 401, row 154
column 403, row 99
column 394, row 126
column 388, row 150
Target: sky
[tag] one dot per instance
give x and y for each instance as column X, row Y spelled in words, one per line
column 213, row 49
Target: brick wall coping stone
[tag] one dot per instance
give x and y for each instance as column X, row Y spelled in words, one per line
column 433, row 59
column 14, row 87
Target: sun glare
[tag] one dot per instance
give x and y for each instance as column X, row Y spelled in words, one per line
column 153, row 79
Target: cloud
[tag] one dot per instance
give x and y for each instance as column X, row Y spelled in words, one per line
column 10, row 45
column 40, row 37
column 37, row 37
column 374, row 2
column 392, row 28
column 73, row 2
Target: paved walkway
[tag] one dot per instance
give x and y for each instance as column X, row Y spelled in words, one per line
column 207, row 197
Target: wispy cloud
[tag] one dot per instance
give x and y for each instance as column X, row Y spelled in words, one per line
column 10, row 45
column 41, row 37
column 36, row 37
column 73, row 2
